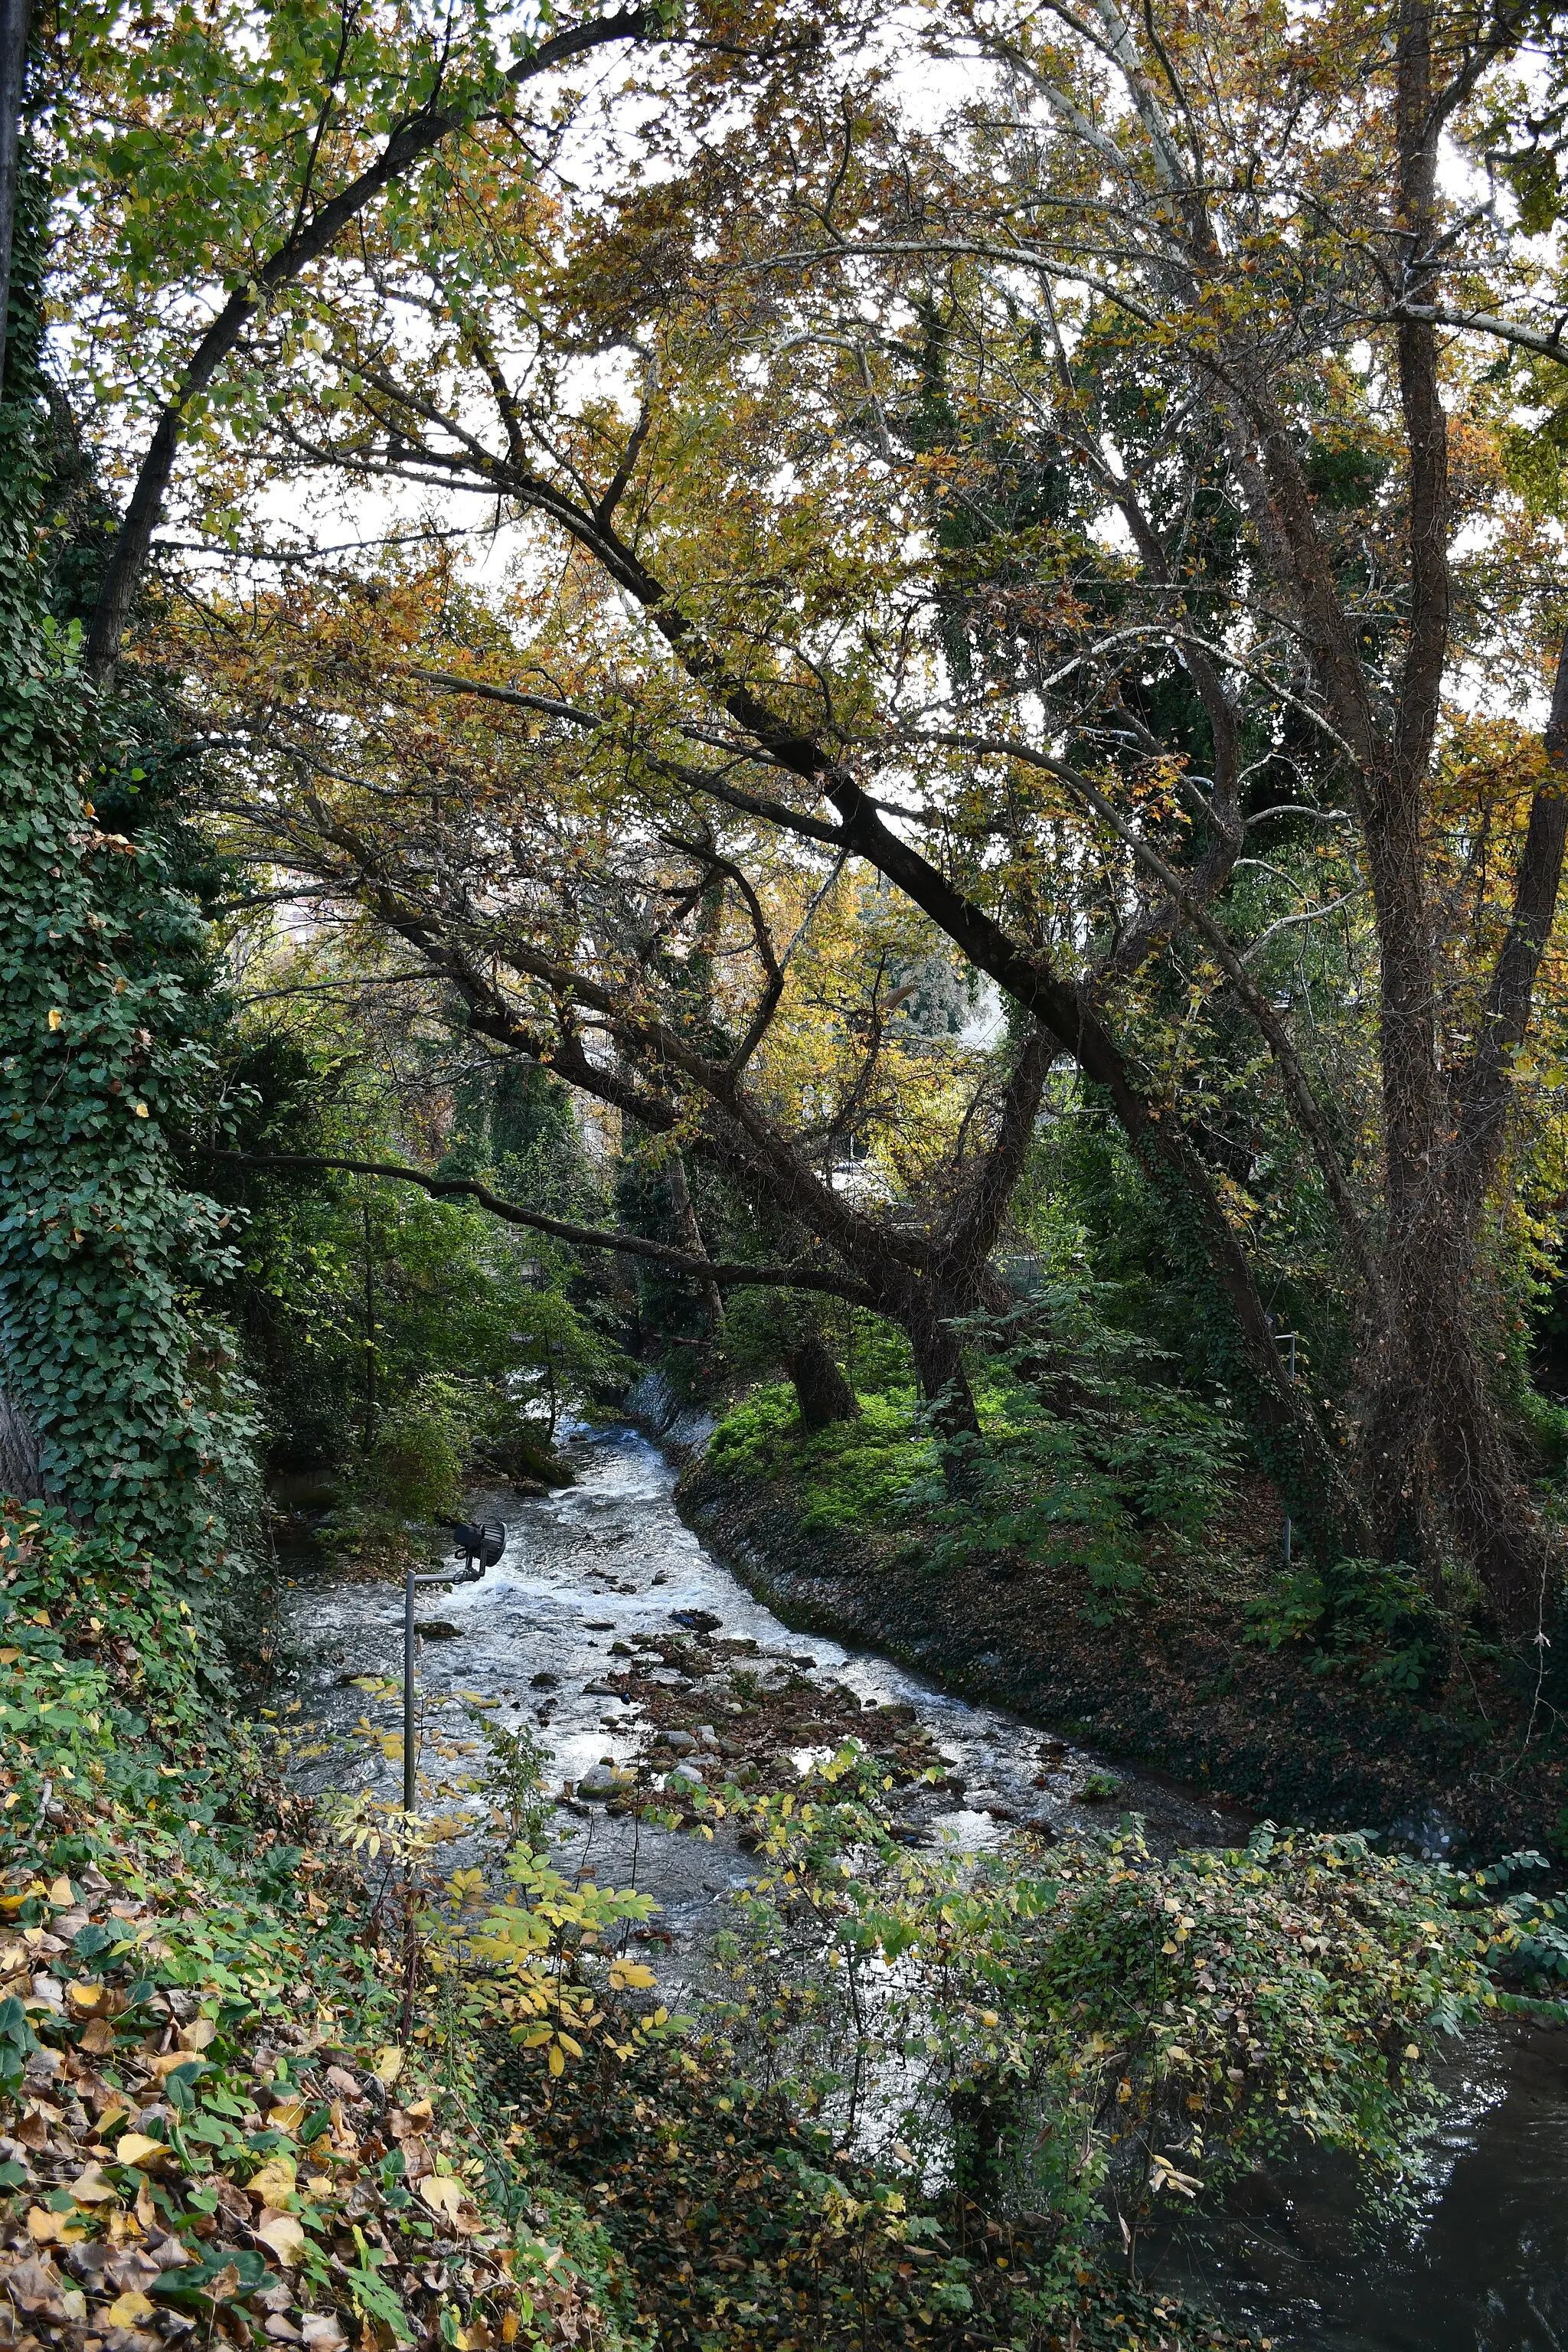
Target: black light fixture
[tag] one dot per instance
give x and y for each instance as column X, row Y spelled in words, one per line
column 478, row 1542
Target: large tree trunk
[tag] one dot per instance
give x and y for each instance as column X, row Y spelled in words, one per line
column 1443, row 1480
column 939, row 1368
column 821, row 1391
column 1442, row 1477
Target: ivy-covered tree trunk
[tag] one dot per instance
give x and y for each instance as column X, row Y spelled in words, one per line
column 99, row 1244
column 20, row 1473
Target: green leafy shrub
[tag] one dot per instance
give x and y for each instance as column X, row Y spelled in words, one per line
column 416, row 1464
column 1372, row 1618
column 1058, row 2022
column 1085, row 1447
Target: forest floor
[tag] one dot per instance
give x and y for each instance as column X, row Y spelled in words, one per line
column 1180, row 1680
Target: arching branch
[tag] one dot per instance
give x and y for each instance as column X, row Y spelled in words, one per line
column 443, row 1188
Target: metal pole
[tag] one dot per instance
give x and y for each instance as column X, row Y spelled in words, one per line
column 408, row 1689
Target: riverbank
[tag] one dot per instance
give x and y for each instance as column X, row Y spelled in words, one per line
column 1179, row 1683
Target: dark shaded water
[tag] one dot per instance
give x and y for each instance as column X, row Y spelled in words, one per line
column 1477, row 2261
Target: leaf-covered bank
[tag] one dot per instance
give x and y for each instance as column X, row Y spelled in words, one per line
column 1206, row 1672
column 217, row 2121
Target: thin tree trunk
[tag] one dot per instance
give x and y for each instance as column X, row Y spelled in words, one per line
column 13, row 20
column 690, row 1233
column 369, row 1333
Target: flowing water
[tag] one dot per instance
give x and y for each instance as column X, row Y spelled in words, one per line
column 1477, row 2260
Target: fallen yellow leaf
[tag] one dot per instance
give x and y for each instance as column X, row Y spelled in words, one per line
column 419, row 2111
column 84, row 1998
column 135, row 2148
column 167, row 2062
column 60, row 1895
column 288, row 2115
column 282, row 2234
column 200, row 2034
column 55, row 1017
column 442, row 2194
column 388, row 2064
column 275, row 2181
column 128, row 2309
column 91, row 2187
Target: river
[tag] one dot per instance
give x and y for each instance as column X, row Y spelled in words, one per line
column 1477, row 2260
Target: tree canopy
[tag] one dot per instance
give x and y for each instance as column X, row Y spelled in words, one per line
column 1050, row 514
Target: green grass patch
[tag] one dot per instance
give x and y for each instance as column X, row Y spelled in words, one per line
column 855, row 1475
